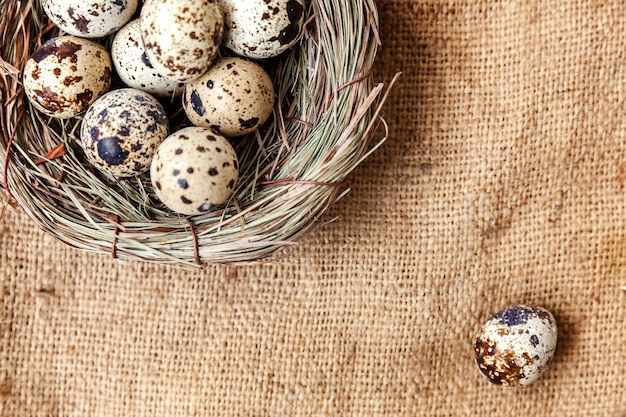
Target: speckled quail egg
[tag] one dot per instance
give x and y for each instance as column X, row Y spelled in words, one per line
column 193, row 170
column 262, row 28
column 182, row 37
column 514, row 347
column 122, row 130
column 66, row 74
column 133, row 66
column 90, row 19
column 234, row 97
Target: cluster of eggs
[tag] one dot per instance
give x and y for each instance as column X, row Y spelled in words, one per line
column 164, row 50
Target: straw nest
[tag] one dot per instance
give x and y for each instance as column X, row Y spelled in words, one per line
column 291, row 172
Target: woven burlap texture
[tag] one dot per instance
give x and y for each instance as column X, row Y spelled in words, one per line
column 502, row 182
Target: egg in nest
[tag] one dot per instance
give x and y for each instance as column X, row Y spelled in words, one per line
column 134, row 67
column 181, row 38
column 66, row 75
column 90, row 19
column 122, row 130
column 261, row 29
column 194, row 170
column 234, row 97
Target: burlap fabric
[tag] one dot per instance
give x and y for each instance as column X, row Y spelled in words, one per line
column 502, row 182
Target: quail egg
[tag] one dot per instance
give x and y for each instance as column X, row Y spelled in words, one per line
column 514, row 347
column 133, row 66
column 262, row 28
column 122, row 130
column 66, row 74
column 234, row 97
column 181, row 37
column 90, row 19
column 193, row 170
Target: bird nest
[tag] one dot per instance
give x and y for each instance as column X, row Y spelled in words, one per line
column 291, row 172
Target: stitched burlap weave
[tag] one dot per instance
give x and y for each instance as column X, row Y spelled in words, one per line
column 503, row 181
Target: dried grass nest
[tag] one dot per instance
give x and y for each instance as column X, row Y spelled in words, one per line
column 291, row 172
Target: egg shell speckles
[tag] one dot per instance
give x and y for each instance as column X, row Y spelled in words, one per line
column 262, row 29
column 90, row 19
column 133, row 66
column 234, row 97
column 122, row 130
column 182, row 38
column 66, row 74
column 193, row 170
column 515, row 346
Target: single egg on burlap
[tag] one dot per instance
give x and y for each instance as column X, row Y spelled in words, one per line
column 514, row 347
